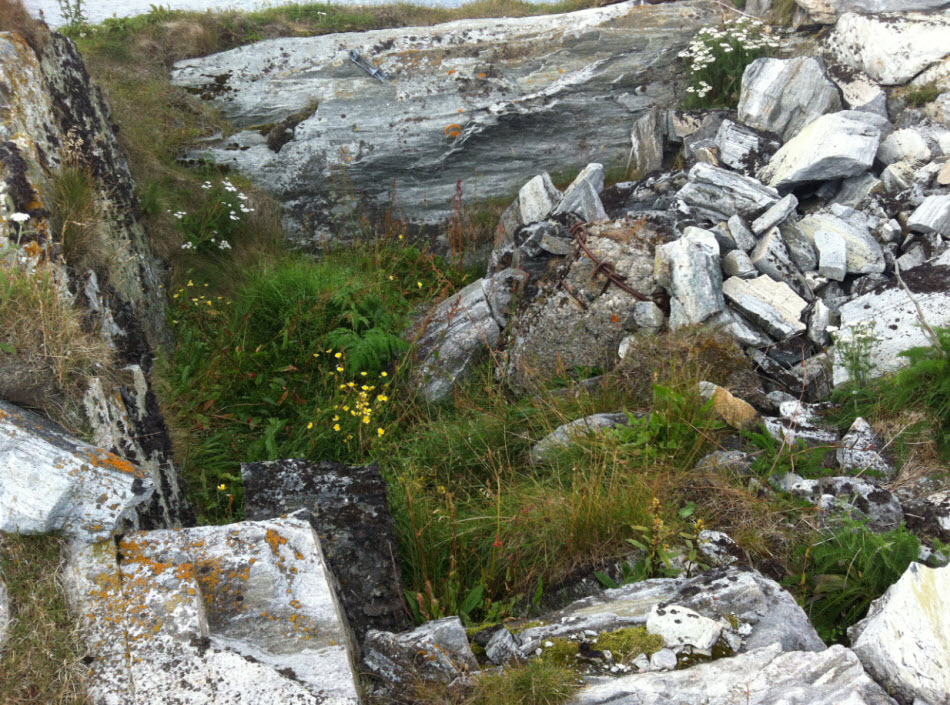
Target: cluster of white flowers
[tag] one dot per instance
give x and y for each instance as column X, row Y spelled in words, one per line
column 701, row 90
column 222, row 244
column 19, row 217
column 188, row 246
column 744, row 34
column 179, row 214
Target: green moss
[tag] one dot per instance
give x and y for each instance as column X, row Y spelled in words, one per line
column 524, row 626
column 923, row 95
column 562, row 653
column 629, row 642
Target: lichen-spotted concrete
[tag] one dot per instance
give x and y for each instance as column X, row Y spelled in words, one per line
column 243, row 613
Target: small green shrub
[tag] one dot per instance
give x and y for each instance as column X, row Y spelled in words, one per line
column 918, row 97
column 716, row 59
column 775, row 458
column 533, row 683
column 847, row 568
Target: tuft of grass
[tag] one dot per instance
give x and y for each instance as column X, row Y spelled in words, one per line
column 41, row 660
column 848, row 567
column 78, row 222
column 918, row 97
column 533, row 683
column 47, row 351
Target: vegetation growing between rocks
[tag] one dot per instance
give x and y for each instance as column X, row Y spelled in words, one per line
column 41, row 661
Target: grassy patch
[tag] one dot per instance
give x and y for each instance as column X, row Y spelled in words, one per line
column 844, row 570
column 628, row 643
column 47, row 351
column 918, row 97
column 40, row 663
column 533, row 683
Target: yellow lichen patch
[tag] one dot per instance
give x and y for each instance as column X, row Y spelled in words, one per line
column 275, row 541
column 101, row 459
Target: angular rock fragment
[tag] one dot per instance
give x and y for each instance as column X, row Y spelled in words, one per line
column 932, row 216
column 930, row 515
column 689, row 269
column 680, row 626
column 771, row 257
column 775, row 215
column 738, row 264
column 863, row 253
column 743, row 237
column 830, row 677
column 502, row 648
column 903, row 145
column 350, row 512
column 437, row 652
column 717, row 194
column 785, row 95
column 718, row 549
column 768, row 303
column 646, row 143
column 861, row 451
column 51, row 481
column 583, row 195
column 904, row 642
column 537, row 199
column 564, row 435
column 832, row 254
column 800, row 249
column 736, row 412
column 215, row 614
column 742, row 148
column 834, row 146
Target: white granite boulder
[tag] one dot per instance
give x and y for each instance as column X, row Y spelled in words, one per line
column 904, row 642
column 50, row 481
column 784, row 95
column 243, row 613
column 863, row 253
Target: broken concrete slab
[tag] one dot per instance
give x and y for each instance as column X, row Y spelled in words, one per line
column 214, row 614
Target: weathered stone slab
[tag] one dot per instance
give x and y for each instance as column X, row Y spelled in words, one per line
column 689, row 269
column 680, row 626
column 903, row 145
column 827, row 11
column 775, row 215
column 537, row 199
column 862, row 450
column 904, row 641
column 889, row 317
column 767, row 303
column 891, row 48
column 349, row 512
column 854, row 497
column 718, row 194
column 51, row 481
column 832, row 254
column 785, row 95
column 743, row 148
column 830, row 677
column 566, row 434
column 833, row 146
column 863, row 253
column 772, row 613
column 738, row 264
column 646, row 143
column 232, row 614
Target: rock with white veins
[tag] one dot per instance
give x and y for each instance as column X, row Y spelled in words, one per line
column 863, row 253
column 743, row 148
column 717, row 194
column 243, row 613
column 689, row 269
column 537, row 199
column 891, row 48
column 834, row 146
column 932, row 216
column 438, row 651
column 771, row 257
column 904, row 642
column 51, row 481
column 832, row 254
column 486, row 101
column 646, row 143
column 738, row 264
column 767, row 303
column 784, row 95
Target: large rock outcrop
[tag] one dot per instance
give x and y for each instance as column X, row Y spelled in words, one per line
column 484, row 101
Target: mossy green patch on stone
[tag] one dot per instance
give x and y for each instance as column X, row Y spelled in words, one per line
column 629, row 642
column 563, row 652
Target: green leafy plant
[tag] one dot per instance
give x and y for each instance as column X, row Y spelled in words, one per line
column 776, row 458
column 717, row 58
column 847, row 568
column 853, row 346
column 74, row 15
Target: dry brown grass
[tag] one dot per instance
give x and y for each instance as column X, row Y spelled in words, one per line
column 48, row 351
column 14, row 17
column 41, row 661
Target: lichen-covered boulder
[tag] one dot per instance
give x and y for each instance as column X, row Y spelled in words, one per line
column 242, row 613
column 904, row 641
column 50, row 481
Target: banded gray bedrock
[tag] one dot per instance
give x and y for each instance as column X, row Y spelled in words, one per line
column 528, row 95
